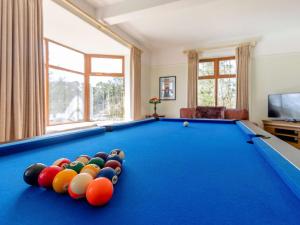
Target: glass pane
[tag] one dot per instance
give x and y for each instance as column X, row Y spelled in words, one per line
column 227, row 92
column 227, row 67
column 65, row 96
column 106, row 98
column 206, row 68
column 66, row 58
column 107, row 65
column 206, row 92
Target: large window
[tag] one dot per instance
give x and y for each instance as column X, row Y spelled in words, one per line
column 83, row 87
column 217, row 82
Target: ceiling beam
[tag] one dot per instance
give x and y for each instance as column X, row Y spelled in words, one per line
column 132, row 9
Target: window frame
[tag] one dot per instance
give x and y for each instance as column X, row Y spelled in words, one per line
column 87, row 73
column 90, row 56
column 216, row 76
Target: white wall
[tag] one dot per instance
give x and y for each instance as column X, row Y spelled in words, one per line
column 170, row 108
column 279, row 73
column 275, row 69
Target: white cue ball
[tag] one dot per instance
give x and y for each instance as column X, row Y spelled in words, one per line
column 185, row 123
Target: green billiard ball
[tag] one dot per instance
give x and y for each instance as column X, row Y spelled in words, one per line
column 98, row 161
column 76, row 166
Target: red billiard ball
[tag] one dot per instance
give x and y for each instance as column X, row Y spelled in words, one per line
column 115, row 165
column 62, row 162
column 47, row 175
column 99, row 191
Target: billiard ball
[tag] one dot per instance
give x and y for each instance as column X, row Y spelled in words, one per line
column 115, row 157
column 99, row 191
column 118, row 152
column 185, row 123
column 116, row 165
column 91, row 169
column 102, row 155
column 76, row 166
column 78, row 185
column 62, row 162
column 62, row 180
column 84, row 159
column 98, row 161
column 110, row 174
column 47, row 175
column 32, row 173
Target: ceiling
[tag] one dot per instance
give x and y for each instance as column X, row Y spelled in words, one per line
column 64, row 27
column 103, row 3
column 160, row 24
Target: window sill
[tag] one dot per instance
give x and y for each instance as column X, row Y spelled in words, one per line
column 77, row 126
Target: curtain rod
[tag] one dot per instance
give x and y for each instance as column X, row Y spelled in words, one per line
column 95, row 23
column 232, row 45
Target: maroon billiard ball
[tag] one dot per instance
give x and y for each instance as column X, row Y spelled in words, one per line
column 102, row 155
column 115, row 165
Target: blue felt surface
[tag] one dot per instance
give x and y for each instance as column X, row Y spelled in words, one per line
column 287, row 171
column 203, row 174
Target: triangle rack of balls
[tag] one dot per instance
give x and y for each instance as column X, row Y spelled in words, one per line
column 87, row 177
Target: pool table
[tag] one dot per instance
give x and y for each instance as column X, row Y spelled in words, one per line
column 211, row 172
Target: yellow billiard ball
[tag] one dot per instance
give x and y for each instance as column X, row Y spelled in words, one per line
column 91, row 169
column 62, row 180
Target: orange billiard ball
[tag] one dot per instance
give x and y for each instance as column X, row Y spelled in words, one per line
column 99, row 191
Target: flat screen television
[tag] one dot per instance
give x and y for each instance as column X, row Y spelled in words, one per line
column 284, row 106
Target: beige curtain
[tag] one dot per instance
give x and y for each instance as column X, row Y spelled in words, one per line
column 21, row 69
column 136, row 82
column 243, row 60
column 192, row 78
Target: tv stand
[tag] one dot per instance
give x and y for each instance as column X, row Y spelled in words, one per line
column 292, row 120
column 288, row 131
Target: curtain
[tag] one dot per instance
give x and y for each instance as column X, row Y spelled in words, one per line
column 243, row 58
column 21, row 70
column 192, row 79
column 136, row 82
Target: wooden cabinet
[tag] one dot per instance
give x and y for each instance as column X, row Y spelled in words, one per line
column 286, row 131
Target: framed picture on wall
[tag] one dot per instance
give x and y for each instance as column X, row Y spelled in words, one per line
column 167, row 88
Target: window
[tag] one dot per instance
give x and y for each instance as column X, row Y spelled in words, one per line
column 217, row 82
column 107, row 98
column 106, row 87
column 66, row 96
column 82, row 87
column 105, row 65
